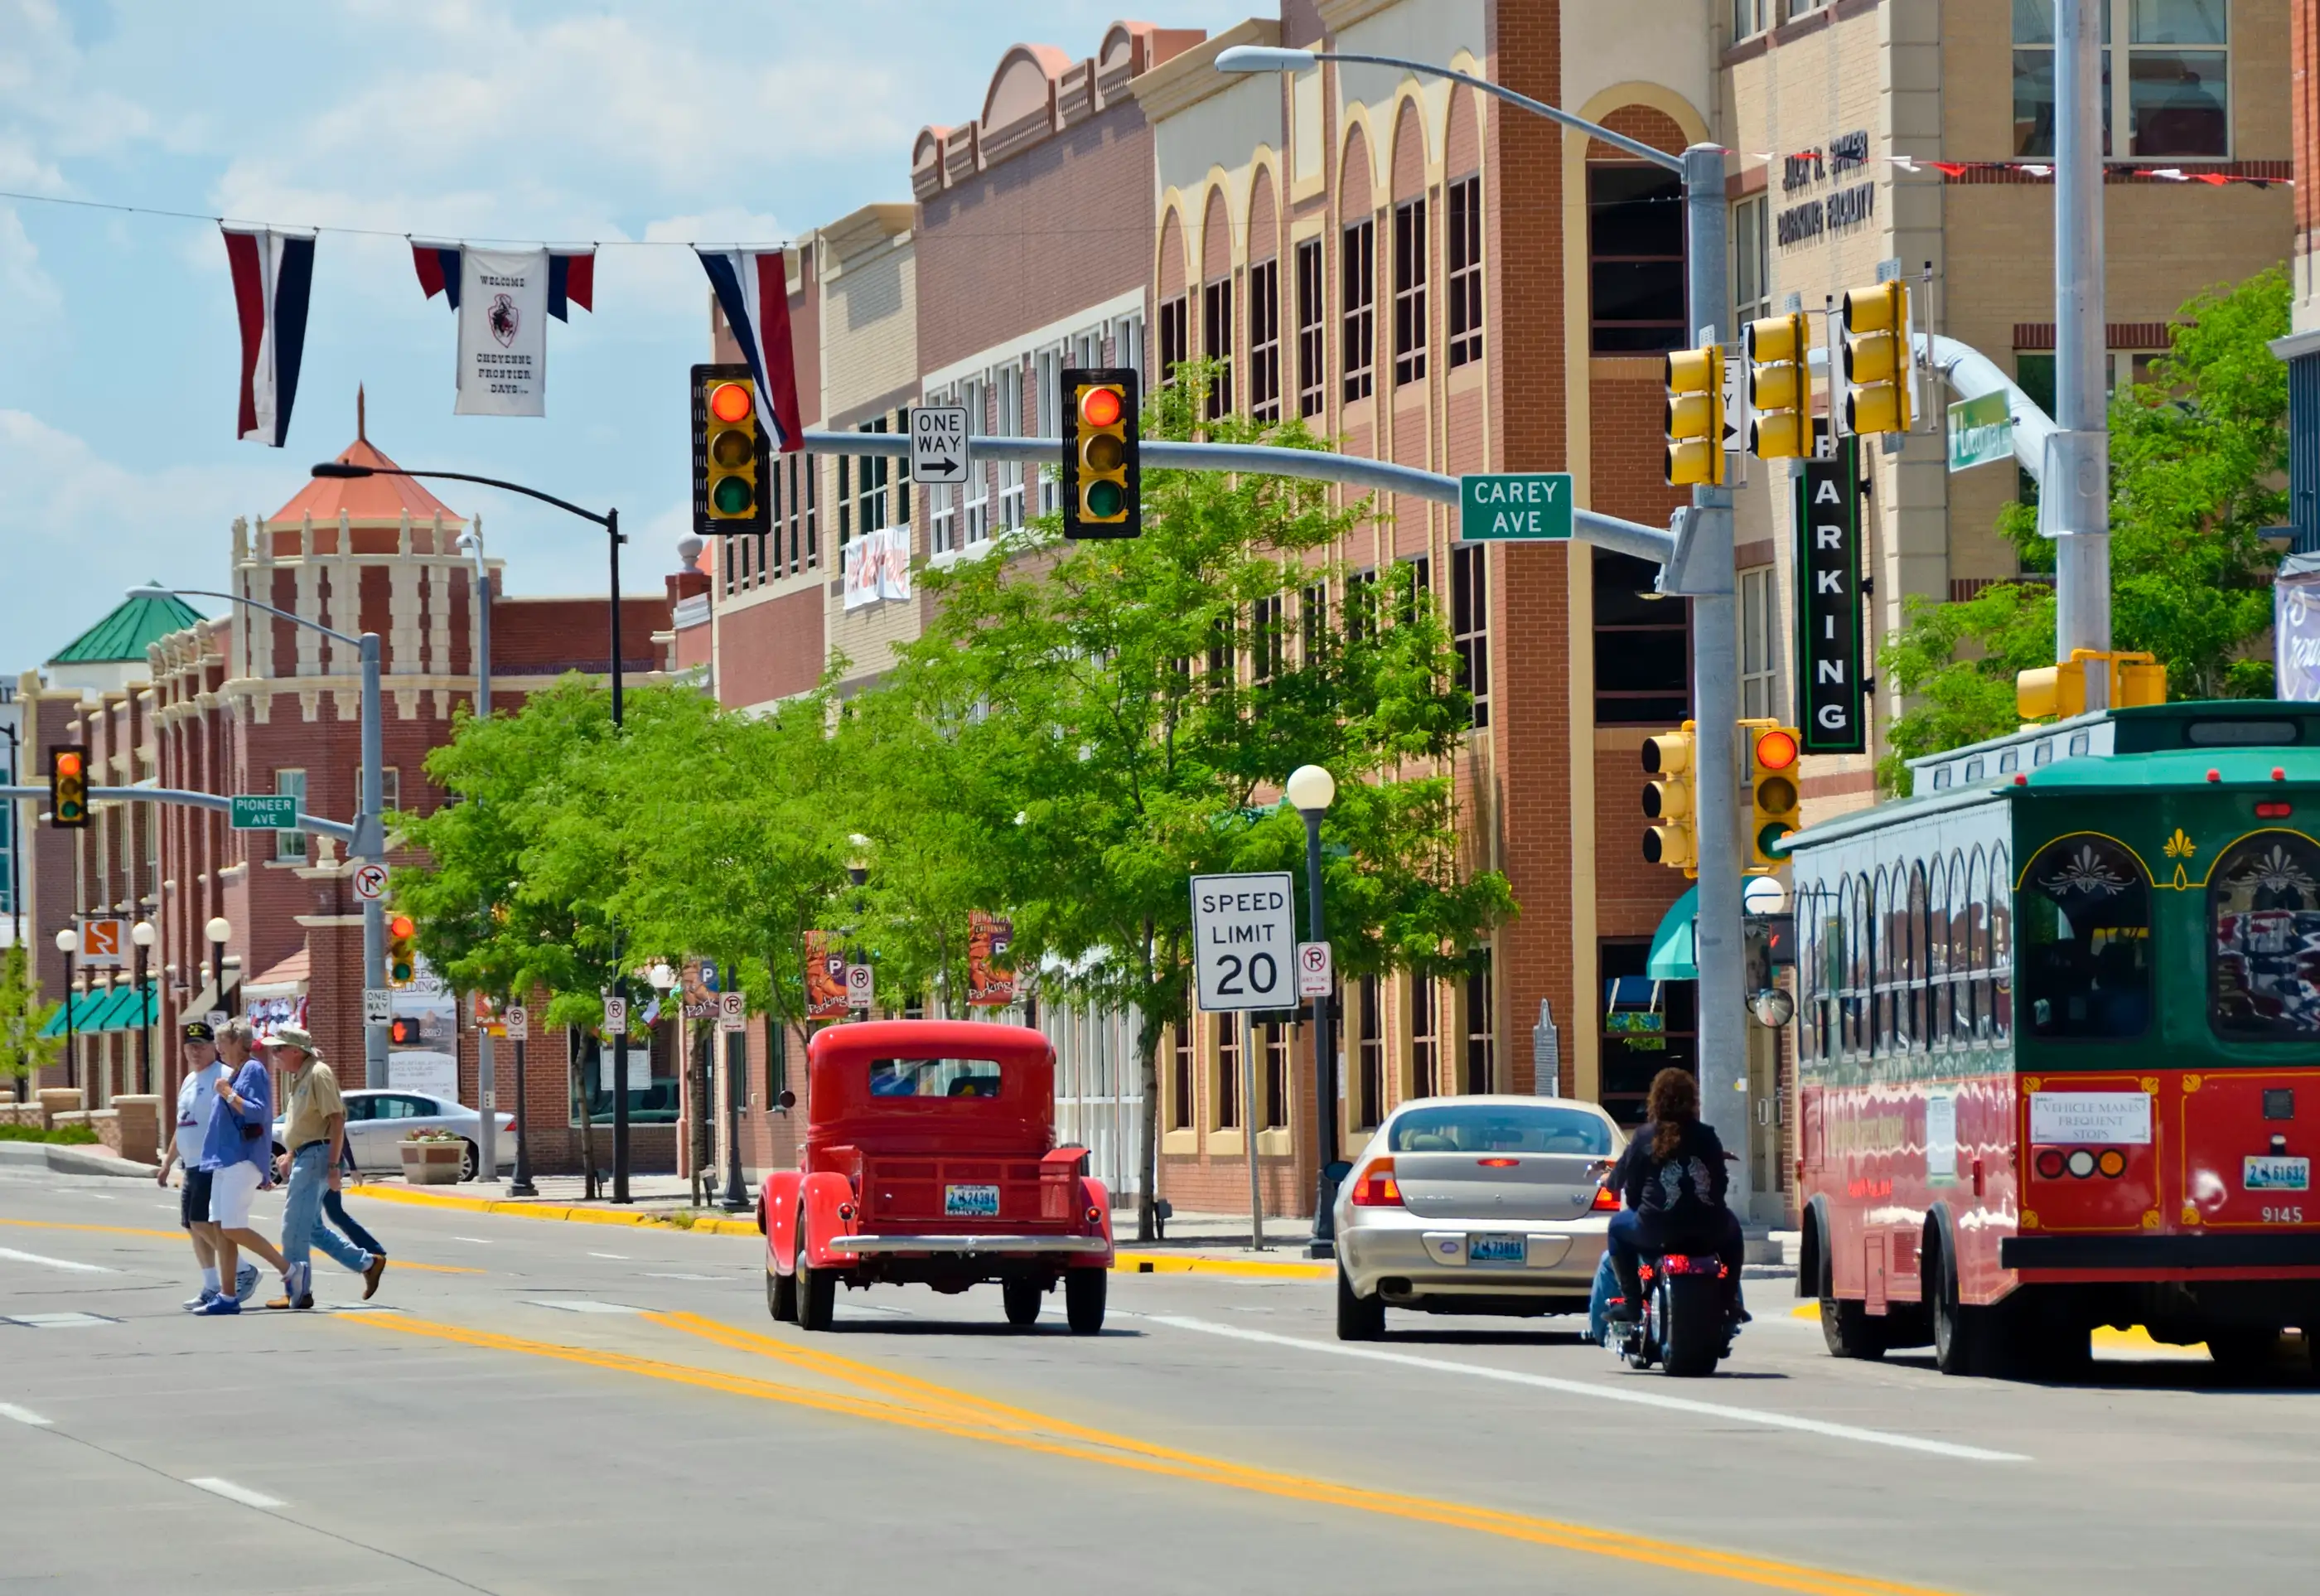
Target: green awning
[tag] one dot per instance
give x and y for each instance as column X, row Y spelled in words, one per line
column 84, row 1007
column 128, row 1011
column 1672, row 956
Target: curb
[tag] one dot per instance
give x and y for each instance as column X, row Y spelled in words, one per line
column 74, row 1160
column 1125, row 1263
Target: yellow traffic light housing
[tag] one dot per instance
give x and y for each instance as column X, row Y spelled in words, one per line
column 1774, row 796
column 1779, row 387
column 1670, row 801
column 1102, row 478
column 731, row 453
column 1695, row 417
column 2058, row 692
column 68, row 787
column 1877, row 359
column 402, row 949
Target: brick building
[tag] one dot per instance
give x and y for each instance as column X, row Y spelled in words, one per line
column 2301, row 348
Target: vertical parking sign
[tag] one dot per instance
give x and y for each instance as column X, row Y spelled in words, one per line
column 1830, row 696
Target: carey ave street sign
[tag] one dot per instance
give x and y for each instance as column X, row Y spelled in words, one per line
column 1244, row 941
column 1514, row 505
column 1981, row 432
column 265, row 811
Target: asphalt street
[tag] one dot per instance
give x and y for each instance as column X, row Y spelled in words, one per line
column 537, row 1406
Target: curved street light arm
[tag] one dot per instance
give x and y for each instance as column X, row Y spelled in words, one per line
column 338, row 468
column 235, row 598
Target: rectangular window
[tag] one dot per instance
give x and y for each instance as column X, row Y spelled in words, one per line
column 1470, row 624
column 1265, row 341
column 977, row 395
column 872, row 475
column 1047, row 405
column 1228, row 1072
column 1179, row 1074
column 1268, row 637
column 1312, row 360
column 1465, row 283
column 1369, row 1091
column 1749, row 17
column 1634, row 252
column 2174, row 98
column 1357, row 288
column 1313, row 618
column 1217, row 343
column 1126, row 343
column 1175, row 337
column 1274, row 1036
column 1647, row 1026
column 1008, row 391
column 1643, row 647
column 1361, row 606
column 1751, row 263
column 845, row 503
column 1410, row 330
column 1416, row 578
column 1481, row 1064
column 1759, row 644
column 942, row 503
column 292, row 845
column 802, row 470
column 1425, row 1037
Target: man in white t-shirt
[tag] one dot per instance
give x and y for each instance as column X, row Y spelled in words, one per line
column 196, row 1100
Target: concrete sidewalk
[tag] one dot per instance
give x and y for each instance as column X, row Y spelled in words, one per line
column 65, row 1159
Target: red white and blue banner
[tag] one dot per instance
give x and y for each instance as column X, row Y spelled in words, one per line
column 273, row 278
column 503, row 298
column 752, row 288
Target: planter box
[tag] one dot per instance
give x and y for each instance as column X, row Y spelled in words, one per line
column 432, row 1163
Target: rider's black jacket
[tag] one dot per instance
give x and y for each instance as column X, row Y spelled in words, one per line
column 1678, row 1201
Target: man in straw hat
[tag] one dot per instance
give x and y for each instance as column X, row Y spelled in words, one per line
column 315, row 1134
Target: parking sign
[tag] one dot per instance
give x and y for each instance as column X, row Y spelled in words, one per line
column 1314, row 972
column 732, row 1012
column 1244, row 938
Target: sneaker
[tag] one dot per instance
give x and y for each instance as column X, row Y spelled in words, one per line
column 195, row 1304
column 245, row 1282
column 217, row 1307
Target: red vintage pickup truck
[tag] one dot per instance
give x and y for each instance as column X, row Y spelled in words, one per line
column 930, row 1159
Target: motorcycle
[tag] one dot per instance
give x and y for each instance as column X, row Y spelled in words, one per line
column 1682, row 1327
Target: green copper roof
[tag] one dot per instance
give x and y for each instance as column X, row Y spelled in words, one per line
column 124, row 634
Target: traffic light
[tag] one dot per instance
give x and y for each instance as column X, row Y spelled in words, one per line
column 402, row 1033
column 1668, row 801
column 1103, row 482
column 1877, row 358
column 1771, row 789
column 68, row 787
column 402, row 949
column 2058, row 692
column 1779, row 387
column 1695, row 417
column 731, row 454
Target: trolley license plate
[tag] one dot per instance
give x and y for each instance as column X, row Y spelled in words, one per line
column 1494, row 1249
column 2275, row 1174
column 971, row 1203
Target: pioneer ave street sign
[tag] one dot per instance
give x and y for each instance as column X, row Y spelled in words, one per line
column 265, row 811
column 1244, row 941
column 1511, row 506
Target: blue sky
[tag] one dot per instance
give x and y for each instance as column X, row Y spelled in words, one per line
column 656, row 119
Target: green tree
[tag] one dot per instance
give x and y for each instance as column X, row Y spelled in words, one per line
column 24, row 1051
column 2198, row 469
column 1124, row 704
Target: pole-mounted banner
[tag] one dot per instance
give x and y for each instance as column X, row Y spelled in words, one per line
column 1829, row 604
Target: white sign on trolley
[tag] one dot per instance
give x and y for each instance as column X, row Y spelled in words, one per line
column 1244, row 941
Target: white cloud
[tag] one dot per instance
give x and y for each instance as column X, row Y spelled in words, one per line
column 28, row 294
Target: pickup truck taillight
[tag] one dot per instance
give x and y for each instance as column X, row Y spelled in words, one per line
column 1376, row 1187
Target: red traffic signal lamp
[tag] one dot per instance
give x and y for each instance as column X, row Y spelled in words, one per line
column 402, row 1033
column 1102, row 478
column 402, row 949
column 68, row 787
column 1773, row 797
column 732, row 469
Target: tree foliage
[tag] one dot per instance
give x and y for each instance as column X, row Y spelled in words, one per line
column 2198, row 469
column 24, row 1051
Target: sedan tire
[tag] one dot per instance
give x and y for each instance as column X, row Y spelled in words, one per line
column 470, row 1160
column 1359, row 1319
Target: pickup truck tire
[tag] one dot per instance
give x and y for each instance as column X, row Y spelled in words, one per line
column 816, row 1289
column 781, row 1296
column 1022, row 1301
column 1083, row 1295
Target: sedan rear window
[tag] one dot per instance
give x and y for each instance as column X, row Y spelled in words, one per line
column 934, row 1077
column 1477, row 1127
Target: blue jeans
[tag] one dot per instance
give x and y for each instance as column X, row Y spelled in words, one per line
column 1599, row 1299
column 302, row 1212
column 335, row 1207
column 1627, row 1243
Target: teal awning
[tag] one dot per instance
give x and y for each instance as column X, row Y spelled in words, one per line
column 130, row 1010
column 84, row 1007
column 1673, row 956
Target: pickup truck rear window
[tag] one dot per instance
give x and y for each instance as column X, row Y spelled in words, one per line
column 934, row 1077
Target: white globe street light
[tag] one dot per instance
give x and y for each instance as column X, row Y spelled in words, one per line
column 143, row 934
column 68, row 942
column 1311, row 788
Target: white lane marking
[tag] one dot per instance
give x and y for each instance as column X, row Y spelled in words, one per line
column 21, row 1415
column 478, row 1240
column 234, row 1492
column 581, row 1305
column 1584, row 1388
column 59, row 1321
column 77, row 1268
column 655, row 1275
column 623, row 1257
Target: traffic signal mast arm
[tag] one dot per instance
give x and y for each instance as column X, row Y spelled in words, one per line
column 339, row 830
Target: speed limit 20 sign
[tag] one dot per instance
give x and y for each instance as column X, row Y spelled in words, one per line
column 1244, row 936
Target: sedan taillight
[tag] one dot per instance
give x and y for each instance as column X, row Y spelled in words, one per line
column 1377, row 1188
column 1607, row 1201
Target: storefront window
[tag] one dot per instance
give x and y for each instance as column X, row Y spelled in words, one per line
column 2263, row 912
column 2175, row 97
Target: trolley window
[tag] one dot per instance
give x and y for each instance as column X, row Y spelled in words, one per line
column 2263, row 912
column 2086, row 940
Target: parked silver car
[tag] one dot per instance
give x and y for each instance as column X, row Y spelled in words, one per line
column 1481, row 1204
column 377, row 1121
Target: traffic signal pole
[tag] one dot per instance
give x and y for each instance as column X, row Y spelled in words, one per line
column 371, row 845
column 2075, row 491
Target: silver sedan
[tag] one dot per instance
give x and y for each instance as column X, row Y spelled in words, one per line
column 378, row 1120
column 1482, row 1204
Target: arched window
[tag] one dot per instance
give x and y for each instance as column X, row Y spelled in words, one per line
column 1976, row 941
column 2001, row 944
column 1852, row 895
column 2086, row 939
column 1887, row 946
column 1921, row 942
column 2263, row 922
column 1960, row 994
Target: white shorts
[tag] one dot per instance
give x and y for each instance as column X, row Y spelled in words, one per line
column 230, row 1189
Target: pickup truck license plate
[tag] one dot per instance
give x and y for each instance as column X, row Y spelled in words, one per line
column 2276, row 1173
column 1494, row 1249
column 971, row 1203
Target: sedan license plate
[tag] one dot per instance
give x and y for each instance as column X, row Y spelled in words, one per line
column 1494, row 1249
column 971, row 1203
column 2276, row 1173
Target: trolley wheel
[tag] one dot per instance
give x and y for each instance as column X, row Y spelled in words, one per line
column 1850, row 1330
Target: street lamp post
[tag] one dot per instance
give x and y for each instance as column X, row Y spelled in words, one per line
column 1310, row 791
column 736, row 1047
column 369, row 842
column 487, row 1079
column 16, row 845
column 219, row 930
column 1705, row 578
column 143, row 934
column 68, row 944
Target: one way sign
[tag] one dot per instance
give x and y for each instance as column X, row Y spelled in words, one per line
column 938, row 443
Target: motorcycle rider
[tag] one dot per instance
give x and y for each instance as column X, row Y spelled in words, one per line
column 1670, row 1181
